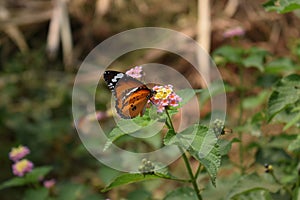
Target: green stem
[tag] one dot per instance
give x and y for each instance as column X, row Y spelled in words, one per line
column 198, row 171
column 186, row 161
column 279, row 183
column 240, row 120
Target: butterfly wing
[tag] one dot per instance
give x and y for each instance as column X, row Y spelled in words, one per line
column 134, row 102
column 131, row 95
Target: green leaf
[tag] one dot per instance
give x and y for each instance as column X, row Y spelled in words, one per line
column 230, row 54
column 31, row 177
column 125, row 179
column 37, row 173
column 144, row 126
column 115, row 134
column 292, row 122
column 36, row 194
column 181, row 193
column 67, row 190
column 255, row 58
column 280, row 65
column 211, row 161
column 139, row 194
column 225, row 145
column 286, row 93
column 13, row 182
column 187, row 95
column 254, row 101
column 202, row 144
column 295, row 145
column 250, row 183
column 214, row 89
column 282, row 6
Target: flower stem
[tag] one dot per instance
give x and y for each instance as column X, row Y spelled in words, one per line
column 186, row 161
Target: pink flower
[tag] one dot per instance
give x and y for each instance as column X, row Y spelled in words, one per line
column 135, row 72
column 18, row 153
column 22, row 167
column 49, row 183
column 234, row 32
column 165, row 96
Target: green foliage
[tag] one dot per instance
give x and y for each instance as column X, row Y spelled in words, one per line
column 282, row 6
column 285, row 97
column 253, row 57
column 181, row 193
column 250, row 183
column 30, row 178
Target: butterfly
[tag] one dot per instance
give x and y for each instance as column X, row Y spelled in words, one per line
column 131, row 95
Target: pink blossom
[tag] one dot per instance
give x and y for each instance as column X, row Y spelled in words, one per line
column 234, row 32
column 165, row 96
column 135, row 72
column 18, row 153
column 49, row 183
column 22, row 167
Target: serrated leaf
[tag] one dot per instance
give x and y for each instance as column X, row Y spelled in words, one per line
column 181, row 193
column 211, row 161
column 286, row 93
column 225, row 145
column 250, row 183
column 282, row 6
column 201, row 142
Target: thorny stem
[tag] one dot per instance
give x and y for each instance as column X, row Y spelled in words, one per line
column 186, row 161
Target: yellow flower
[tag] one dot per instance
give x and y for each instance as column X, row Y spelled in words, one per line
column 163, row 93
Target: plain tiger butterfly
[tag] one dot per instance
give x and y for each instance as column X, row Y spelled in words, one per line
column 131, row 95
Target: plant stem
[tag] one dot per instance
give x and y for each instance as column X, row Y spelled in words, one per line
column 279, row 183
column 240, row 120
column 186, row 161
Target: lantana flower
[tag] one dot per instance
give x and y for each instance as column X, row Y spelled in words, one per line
column 164, row 97
column 135, row 72
column 49, row 183
column 22, row 167
column 234, row 32
column 18, row 153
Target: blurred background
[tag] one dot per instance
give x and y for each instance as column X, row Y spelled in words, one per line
column 43, row 42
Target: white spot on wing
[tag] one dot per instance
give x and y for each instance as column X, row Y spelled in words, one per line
column 117, row 77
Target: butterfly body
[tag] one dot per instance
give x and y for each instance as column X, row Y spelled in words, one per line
column 131, row 95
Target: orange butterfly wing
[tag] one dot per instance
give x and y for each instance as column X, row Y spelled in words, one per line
column 130, row 94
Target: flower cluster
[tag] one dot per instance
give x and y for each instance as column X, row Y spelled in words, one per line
column 146, row 167
column 49, row 183
column 21, row 166
column 18, row 153
column 136, row 72
column 164, row 97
